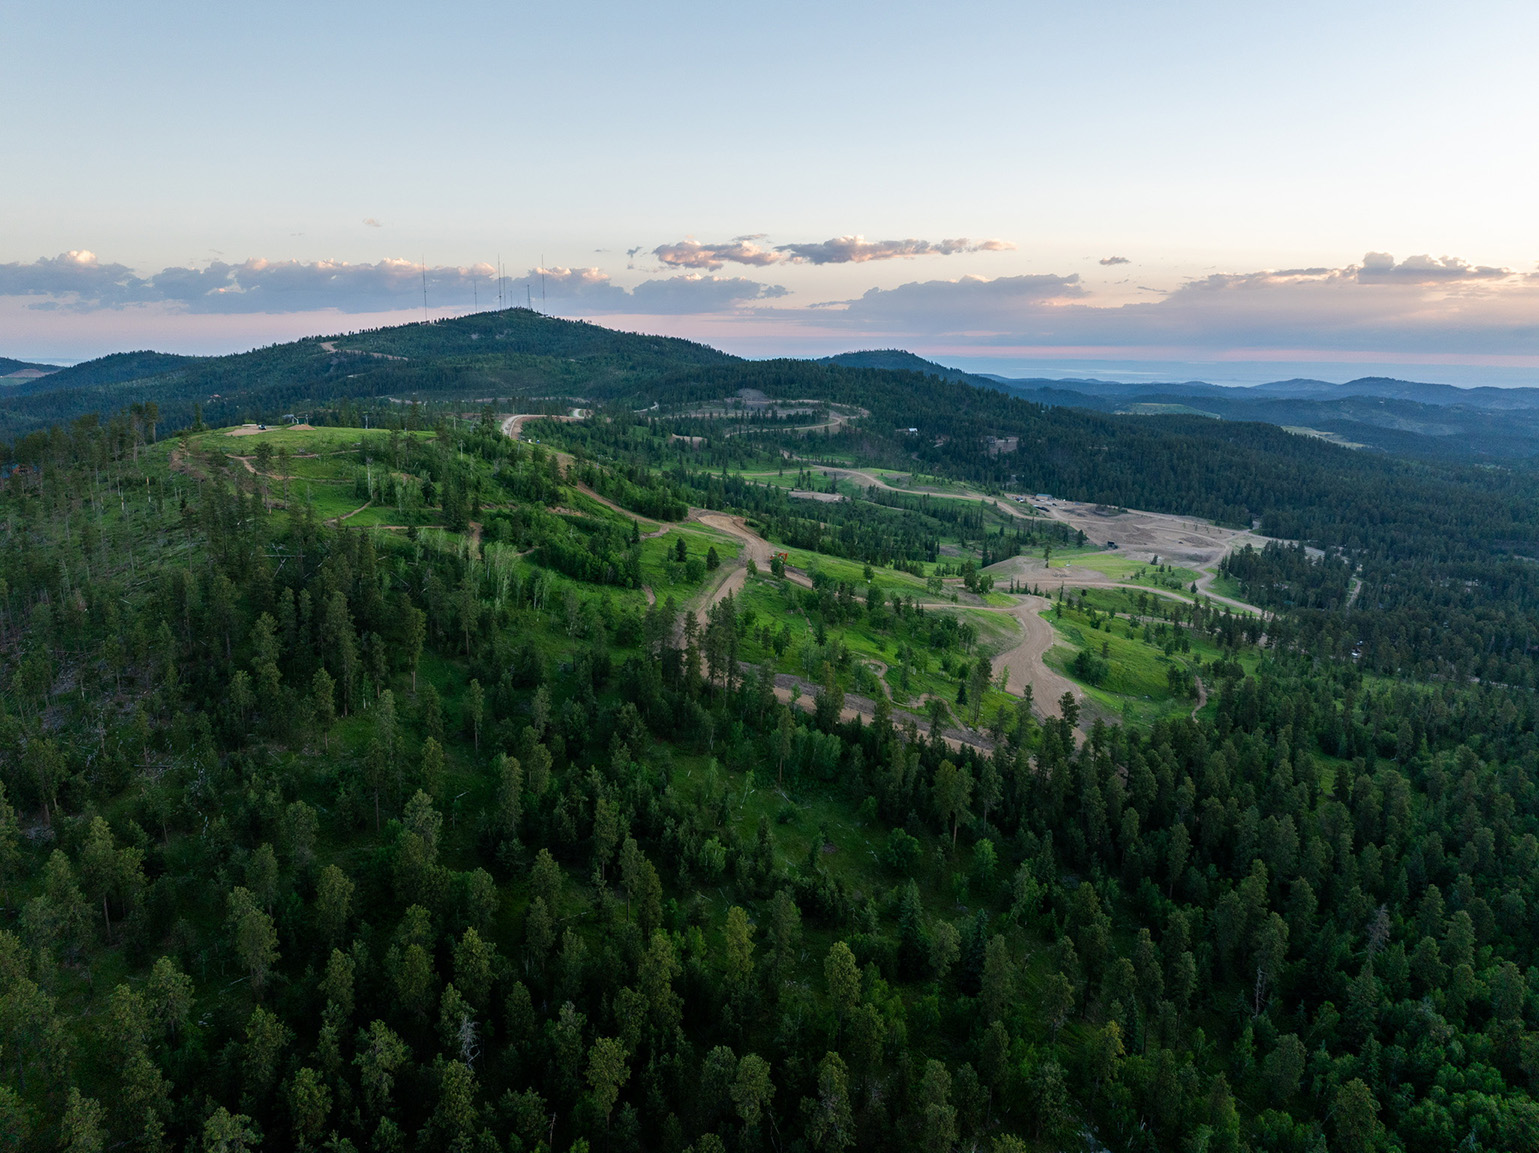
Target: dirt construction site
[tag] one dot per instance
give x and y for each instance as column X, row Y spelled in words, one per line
column 1147, row 536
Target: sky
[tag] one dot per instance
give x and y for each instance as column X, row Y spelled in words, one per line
column 1225, row 191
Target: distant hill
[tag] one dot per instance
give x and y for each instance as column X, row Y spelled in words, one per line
column 509, row 353
column 1089, row 386
column 9, row 367
column 1391, row 389
column 897, row 360
column 1410, row 417
column 117, row 368
column 1448, row 395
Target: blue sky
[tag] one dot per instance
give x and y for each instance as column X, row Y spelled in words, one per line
column 1336, row 188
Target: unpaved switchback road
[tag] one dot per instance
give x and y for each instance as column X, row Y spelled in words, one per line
column 805, row 698
column 1025, row 660
column 755, row 548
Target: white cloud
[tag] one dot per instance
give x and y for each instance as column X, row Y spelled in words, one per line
column 1420, row 305
column 711, row 257
column 77, row 281
column 859, row 250
column 838, row 250
column 968, row 304
column 589, row 290
column 71, row 274
column 1381, row 266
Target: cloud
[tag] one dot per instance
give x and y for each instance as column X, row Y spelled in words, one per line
column 711, row 257
column 79, row 281
column 1420, row 305
column 372, row 223
column 858, row 250
column 838, row 250
column 589, row 290
column 1109, row 260
column 76, row 273
column 968, row 304
column 686, row 294
column 1381, row 267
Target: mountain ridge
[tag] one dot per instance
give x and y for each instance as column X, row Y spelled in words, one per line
column 517, row 352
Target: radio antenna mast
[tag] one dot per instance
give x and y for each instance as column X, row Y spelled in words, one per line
column 424, row 289
column 542, row 282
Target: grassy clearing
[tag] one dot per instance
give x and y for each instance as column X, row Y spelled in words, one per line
column 774, row 478
column 1136, row 684
column 328, row 501
column 667, row 576
column 1226, row 586
column 918, row 482
column 337, row 466
column 1119, row 566
column 890, row 581
column 305, row 440
column 910, row 668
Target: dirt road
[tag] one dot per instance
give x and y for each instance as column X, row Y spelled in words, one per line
column 871, row 480
column 1025, row 660
column 331, row 346
column 513, row 426
column 865, row 708
column 1175, row 540
column 755, row 548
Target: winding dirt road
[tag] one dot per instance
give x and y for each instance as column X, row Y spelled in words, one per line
column 871, row 480
column 755, row 548
column 513, row 426
column 1025, row 660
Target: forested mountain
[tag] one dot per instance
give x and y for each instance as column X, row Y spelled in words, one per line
column 116, row 368
column 9, row 366
column 509, row 353
column 517, row 352
column 899, row 360
column 664, row 784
